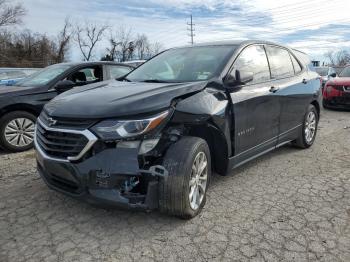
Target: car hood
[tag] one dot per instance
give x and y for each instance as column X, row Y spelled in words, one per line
column 14, row 90
column 115, row 99
column 340, row 81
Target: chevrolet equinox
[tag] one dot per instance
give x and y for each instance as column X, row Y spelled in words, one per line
column 152, row 139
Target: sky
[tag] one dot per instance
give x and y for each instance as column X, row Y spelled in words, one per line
column 313, row 26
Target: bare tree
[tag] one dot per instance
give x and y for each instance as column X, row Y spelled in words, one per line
column 124, row 45
column 340, row 58
column 155, row 49
column 10, row 14
column 63, row 40
column 142, row 46
column 87, row 36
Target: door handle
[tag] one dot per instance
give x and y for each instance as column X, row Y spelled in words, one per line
column 274, row 89
column 304, row 81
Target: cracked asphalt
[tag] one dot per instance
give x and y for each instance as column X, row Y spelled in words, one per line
column 289, row 205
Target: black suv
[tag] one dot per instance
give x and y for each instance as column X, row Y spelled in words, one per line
column 21, row 104
column 152, row 139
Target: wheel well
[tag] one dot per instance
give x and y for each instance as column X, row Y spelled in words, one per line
column 19, row 107
column 217, row 145
column 317, row 105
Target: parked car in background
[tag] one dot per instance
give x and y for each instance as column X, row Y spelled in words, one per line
column 22, row 103
column 153, row 139
column 135, row 63
column 326, row 73
column 10, row 76
column 336, row 93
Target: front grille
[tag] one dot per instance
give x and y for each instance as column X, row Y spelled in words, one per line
column 342, row 100
column 67, row 123
column 59, row 182
column 59, row 144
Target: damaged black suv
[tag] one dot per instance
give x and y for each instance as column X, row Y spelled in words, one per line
column 152, row 139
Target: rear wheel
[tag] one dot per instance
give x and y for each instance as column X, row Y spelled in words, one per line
column 309, row 129
column 183, row 192
column 17, row 131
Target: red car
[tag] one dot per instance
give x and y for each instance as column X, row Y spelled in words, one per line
column 336, row 93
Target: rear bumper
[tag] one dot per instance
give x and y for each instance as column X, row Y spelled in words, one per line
column 100, row 179
column 337, row 102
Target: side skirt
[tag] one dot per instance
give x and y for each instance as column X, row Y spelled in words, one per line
column 283, row 139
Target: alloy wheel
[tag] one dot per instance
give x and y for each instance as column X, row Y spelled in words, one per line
column 19, row 132
column 310, row 127
column 198, row 181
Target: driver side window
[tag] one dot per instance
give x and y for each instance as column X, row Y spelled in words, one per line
column 253, row 59
column 86, row 76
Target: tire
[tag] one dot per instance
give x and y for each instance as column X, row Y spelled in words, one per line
column 324, row 105
column 25, row 125
column 303, row 141
column 174, row 190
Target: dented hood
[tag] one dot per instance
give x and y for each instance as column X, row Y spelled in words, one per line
column 115, row 99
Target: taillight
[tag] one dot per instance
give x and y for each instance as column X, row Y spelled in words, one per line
column 331, row 91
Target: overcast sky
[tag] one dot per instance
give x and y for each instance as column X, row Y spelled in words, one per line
column 311, row 26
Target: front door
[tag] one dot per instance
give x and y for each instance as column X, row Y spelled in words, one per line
column 256, row 107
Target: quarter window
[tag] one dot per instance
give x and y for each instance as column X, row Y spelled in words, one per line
column 297, row 67
column 280, row 62
column 253, row 59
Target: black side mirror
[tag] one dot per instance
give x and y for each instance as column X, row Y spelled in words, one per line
column 333, row 75
column 239, row 78
column 64, row 85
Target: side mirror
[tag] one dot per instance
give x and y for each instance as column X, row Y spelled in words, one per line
column 333, row 75
column 64, row 85
column 240, row 78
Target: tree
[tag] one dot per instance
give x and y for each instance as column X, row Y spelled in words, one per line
column 155, row 49
column 63, row 40
column 26, row 49
column 10, row 14
column 339, row 58
column 142, row 46
column 111, row 51
column 87, row 36
column 124, row 46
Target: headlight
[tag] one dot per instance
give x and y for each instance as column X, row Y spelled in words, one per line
column 115, row 129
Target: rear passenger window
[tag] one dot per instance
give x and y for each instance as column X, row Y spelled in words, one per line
column 297, row 67
column 253, row 59
column 280, row 62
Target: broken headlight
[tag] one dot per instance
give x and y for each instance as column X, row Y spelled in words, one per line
column 117, row 129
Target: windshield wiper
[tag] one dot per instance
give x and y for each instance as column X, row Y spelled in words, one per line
column 154, row 81
column 123, row 78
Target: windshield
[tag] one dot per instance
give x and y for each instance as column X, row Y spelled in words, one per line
column 184, row 65
column 43, row 76
column 345, row 72
column 322, row 71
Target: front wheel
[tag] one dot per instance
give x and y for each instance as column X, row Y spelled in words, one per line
column 183, row 192
column 309, row 129
column 17, row 131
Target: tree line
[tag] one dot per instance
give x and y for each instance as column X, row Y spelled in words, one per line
column 32, row 49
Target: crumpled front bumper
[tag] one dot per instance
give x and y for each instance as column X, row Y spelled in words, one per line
column 97, row 180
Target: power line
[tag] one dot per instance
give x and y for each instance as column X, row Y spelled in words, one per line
column 191, row 29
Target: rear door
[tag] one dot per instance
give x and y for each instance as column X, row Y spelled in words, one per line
column 256, row 107
column 293, row 82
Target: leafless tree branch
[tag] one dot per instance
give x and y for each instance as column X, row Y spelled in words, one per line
column 10, row 14
column 87, row 36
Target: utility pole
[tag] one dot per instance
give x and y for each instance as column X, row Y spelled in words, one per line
column 191, row 29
